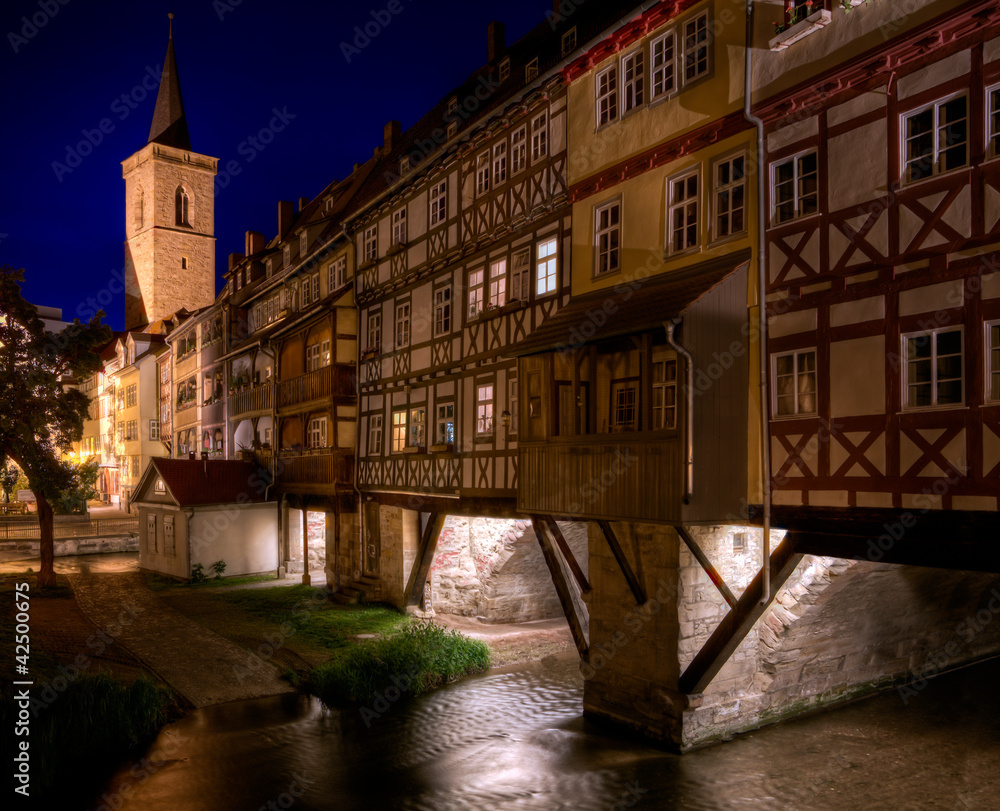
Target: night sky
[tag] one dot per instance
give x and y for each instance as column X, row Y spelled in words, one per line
column 62, row 210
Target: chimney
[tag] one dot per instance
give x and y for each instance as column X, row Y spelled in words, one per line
column 303, row 202
column 285, row 212
column 254, row 242
column 391, row 134
column 494, row 38
column 235, row 259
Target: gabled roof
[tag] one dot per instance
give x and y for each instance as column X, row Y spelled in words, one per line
column 628, row 308
column 169, row 125
column 193, row 482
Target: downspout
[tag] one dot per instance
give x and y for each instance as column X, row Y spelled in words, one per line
column 688, row 408
column 357, row 434
column 765, row 442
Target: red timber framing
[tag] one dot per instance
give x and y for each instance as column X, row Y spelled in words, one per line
column 914, row 257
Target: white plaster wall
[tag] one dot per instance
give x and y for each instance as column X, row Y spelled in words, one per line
column 244, row 536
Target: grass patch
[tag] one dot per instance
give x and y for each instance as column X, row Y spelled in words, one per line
column 159, row 582
column 423, row 653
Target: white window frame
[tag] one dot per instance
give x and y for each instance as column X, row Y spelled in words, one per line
column 498, row 283
column 303, row 243
column 317, row 432
column 568, row 42
column 484, row 409
column 933, row 360
column 993, row 121
column 992, row 358
column 374, row 330
column 633, row 73
column 729, row 188
column 688, row 206
column 499, row 163
column 663, row 66
column 370, row 243
column 483, row 173
column 796, row 184
column 936, row 132
column 475, row 291
column 539, row 137
column 416, row 429
column 795, row 354
column 399, row 429
column 337, row 273
column 399, row 226
column 401, row 325
column 664, row 405
column 531, row 70
column 613, row 233
column 154, row 430
column 547, row 266
column 518, row 149
column 439, row 202
column 692, row 43
column 624, row 399
column 606, row 96
column 375, row 435
column 442, row 311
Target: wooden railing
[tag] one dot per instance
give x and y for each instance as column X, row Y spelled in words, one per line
column 315, row 467
column 610, row 476
column 337, row 381
column 27, row 529
column 258, row 398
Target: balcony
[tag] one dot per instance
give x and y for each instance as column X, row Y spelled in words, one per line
column 254, row 400
column 328, row 381
column 612, row 476
column 318, row 469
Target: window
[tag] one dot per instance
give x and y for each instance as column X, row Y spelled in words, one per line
column 452, row 104
column 316, row 432
column 310, row 290
column 184, row 263
column 131, row 395
column 131, row 430
column 739, row 541
column 682, row 213
column 499, row 163
column 518, row 154
column 498, row 283
column 475, row 293
column 375, row 434
column 404, row 166
column 151, row 524
column 993, row 361
column 512, row 399
column 317, row 355
column 154, row 429
column 696, row 48
column 159, row 486
column 445, row 433
column 624, row 406
column 993, row 121
column 303, row 243
column 399, row 227
column 633, row 81
column 439, row 202
column 607, row 95
column 531, row 70
column 568, row 41
column 169, row 544
column 607, row 237
column 452, row 129
column 664, row 394
column 936, row 139
column 539, row 137
column 483, row 173
column 484, row 410
column 418, row 427
column 795, row 187
column 269, row 267
column 933, row 370
column 374, row 330
column 545, row 267
column 181, row 207
column 370, row 243
column 519, row 276
column 728, row 195
column 661, row 57
column 403, row 324
column 503, row 71
column 286, row 255
column 398, row 431
column 442, row 311
column 337, row 273
column 794, row 376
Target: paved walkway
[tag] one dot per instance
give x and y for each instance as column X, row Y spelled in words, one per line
column 200, row 665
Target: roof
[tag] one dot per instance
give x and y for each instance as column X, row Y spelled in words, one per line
column 628, row 309
column 194, row 482
column 169, row 125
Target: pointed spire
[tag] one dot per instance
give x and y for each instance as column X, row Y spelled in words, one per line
column 169, row 124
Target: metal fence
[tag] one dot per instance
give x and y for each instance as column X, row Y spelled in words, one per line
column 27, row 529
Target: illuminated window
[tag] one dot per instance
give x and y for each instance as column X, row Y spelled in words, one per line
column 439, row 202
column 417, row 433
column 545, row 267
column 484, row 410
column 475, row 293
column 498, row 283
column 398, row 430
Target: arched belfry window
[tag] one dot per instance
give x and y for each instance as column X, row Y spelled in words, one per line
column 182, row 207
column 137, row 213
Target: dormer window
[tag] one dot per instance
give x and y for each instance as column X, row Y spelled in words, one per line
column 269, row 266
column 569, row 41
column 531, row 70
column 404, row 166
column 503, row 71
column 182, row 207
column 452, row 104
column 288, row 255
column 452, row 129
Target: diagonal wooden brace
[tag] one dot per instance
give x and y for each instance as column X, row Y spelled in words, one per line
column 706, row 564
column 633, row 582
column 574, row 567
column 425, row 556
column 562, row 589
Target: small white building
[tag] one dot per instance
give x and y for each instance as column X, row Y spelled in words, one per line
column 195, row 511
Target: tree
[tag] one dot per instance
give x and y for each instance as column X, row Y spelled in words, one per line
column 74, row 500
column 40, row 414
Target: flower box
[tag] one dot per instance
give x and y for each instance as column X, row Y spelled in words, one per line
column 800, row 30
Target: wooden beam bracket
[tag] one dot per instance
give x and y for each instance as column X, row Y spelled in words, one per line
column 562, row 586
column 574, row 567
column 706, row 564
column 425, row 556
column 633, row 582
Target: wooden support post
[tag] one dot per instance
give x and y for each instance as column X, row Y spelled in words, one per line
column 633, row 582
column 706, row 564
column 574, row 567
column 738, row 622
column 425, row 556
column 562, row 589
column 306, row 579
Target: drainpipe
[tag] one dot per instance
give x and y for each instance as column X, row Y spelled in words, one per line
column 765, row 442
column 688, row 408
column 357, row 434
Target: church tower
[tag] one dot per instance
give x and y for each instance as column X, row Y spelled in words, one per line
column 169, row 214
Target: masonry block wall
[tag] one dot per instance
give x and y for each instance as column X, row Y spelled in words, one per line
column 399, row 534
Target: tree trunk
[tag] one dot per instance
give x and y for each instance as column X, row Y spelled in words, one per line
column 47, row 572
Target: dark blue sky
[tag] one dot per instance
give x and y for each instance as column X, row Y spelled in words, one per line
column 62, row 213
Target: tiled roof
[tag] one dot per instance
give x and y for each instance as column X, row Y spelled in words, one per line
column 193, row 482
column 628, row 309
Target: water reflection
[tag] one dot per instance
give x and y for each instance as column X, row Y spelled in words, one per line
column 516, row 740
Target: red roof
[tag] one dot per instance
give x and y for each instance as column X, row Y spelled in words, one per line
column 193, row 482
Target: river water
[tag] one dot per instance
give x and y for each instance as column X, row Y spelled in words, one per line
column 516, row 739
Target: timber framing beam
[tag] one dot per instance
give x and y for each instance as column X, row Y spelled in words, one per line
column 738, row 622
column 633, row 582
column 425, row 556
column 562, row 586
column 567, row 553
column 706, row 564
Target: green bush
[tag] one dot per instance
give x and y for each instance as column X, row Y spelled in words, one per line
column 424, row 655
